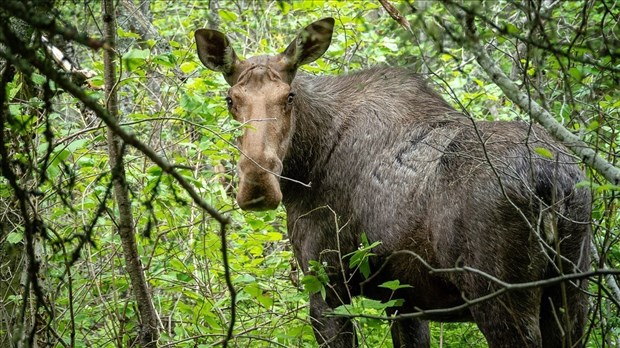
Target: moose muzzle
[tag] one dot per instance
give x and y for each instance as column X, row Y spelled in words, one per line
column 259, row 186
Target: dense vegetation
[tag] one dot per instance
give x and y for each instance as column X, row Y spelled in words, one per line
column 64, row 280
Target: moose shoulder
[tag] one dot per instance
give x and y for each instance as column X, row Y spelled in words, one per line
column 388, row 157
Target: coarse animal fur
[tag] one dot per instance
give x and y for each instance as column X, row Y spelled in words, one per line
column 457, row 205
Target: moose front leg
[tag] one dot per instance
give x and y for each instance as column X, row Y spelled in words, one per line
column 330, row 331
column 409, row 332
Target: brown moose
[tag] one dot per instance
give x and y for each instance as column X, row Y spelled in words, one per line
column 390, row 158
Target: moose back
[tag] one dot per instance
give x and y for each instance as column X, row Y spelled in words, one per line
column 382, row 154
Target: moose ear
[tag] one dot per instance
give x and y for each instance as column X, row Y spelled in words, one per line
column 215, row 51
column 310, row 43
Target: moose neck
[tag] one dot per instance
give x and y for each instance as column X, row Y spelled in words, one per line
column 317, row 119
column 359, row 111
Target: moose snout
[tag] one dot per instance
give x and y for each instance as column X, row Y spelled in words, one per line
column 259, row 187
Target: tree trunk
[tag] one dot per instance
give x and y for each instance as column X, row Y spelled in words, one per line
column 149, row 333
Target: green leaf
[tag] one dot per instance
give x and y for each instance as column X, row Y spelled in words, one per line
column 394, row 285
column 126, row 34
column 38, row 79
column 14, row 237
column 359, row 258
column 77, row 144
column 544, row 152
column 245, row 278
column 227, row 15
column 607, row 187
column 166, row 60
column 576, row 73
column 511, row 28
column 397, row 302
column 344, row 310
column 374, row 304
column 154, row 170
column 135, row 58
column 13, row 89
column 253, row 290
column 183, row 277
column 593, row 125
column 312, row 285
column 188, row 67
column 265, row 300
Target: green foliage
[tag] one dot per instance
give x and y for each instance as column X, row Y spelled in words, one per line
column 394, row 285
column 177, row 107
column 316, row 280
column 359, row 259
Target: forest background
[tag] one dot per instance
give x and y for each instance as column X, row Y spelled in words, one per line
column 118, row 225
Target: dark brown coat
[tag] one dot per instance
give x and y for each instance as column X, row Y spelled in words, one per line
column 385, row 155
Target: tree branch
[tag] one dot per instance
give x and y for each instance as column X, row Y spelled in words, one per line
column 395, row 14
column 48, row 23
column 611, row 281
column 585, row 59
column 512, row 92
column 149, row 320
column 504, row 287
column 538, row 113
column 28, row 58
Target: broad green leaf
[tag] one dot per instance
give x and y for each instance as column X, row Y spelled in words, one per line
column 245, row 278
column 77, row 144
column 13, row 90
column 313, row 285
column 135, row 58
column 188, row 67
column 544, row 152
column 166, row 60
column 511, row 28
column 576, row 73
column 265, row 300
column 394, row 285
column 374, row 304
column 38, row 79
column 14, row 237
column 228, row 16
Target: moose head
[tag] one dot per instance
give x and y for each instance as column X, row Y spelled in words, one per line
column 262, row 99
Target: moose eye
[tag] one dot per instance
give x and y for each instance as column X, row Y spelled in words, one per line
column 229, row 101
column 291, row 96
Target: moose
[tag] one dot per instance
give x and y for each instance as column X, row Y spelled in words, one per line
column 461, row 209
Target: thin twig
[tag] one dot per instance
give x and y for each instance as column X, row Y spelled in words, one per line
column 504, row 287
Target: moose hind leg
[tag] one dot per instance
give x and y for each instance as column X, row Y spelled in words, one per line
column 562, row 322
column 511, row 320
column 409, row 333
column 333, row 332
column 564, row 307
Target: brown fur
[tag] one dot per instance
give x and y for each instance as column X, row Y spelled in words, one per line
column 391, row 159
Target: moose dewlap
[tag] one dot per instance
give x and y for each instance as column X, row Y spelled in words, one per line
column 391, row 159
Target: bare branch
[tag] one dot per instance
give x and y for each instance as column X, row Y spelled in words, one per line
column 395, row 14
column 538, row 113
column 504, row 287
column 64, row 63
column 524, row 38
column 512, row 92
column 29, row 59
column 611, row 281
column 48, row 23
column 149, row 323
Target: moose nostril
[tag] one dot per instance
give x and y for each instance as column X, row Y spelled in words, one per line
column 255, row 165
column 275, row 165
column 258, row 188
